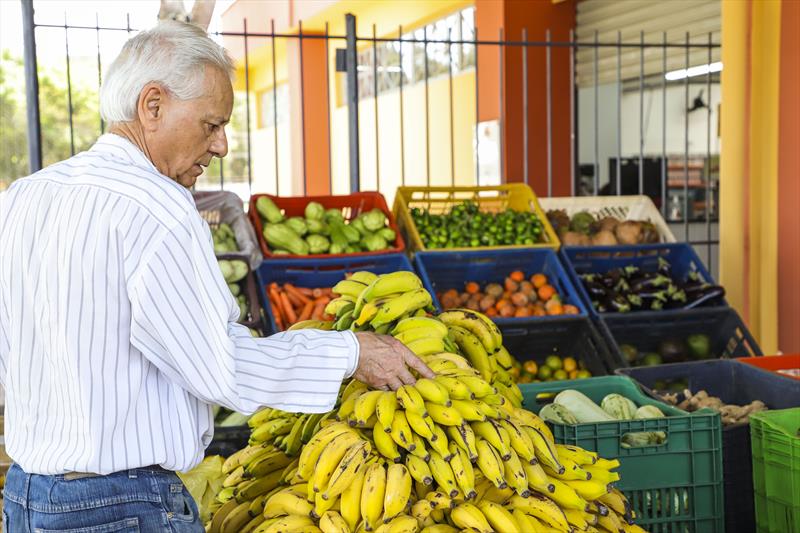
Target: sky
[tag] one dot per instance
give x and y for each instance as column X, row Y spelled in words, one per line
column 50, row 42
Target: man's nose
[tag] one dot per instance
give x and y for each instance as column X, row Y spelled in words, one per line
column 219, row 146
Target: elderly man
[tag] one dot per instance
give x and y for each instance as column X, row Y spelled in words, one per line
column 117, row 330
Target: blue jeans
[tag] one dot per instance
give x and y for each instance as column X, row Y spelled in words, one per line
column 141, row 500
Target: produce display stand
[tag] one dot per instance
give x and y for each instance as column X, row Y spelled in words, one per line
column 735, row 384
column 320, row 273
column 622, row 208
column 516, row 196
column 573, row 337
column 351, row 205
column 776, row 470
column 774, row 363
column 728, row 335
column 223, row 207
column 600, row 259
column 674, row 486
column 443, row 270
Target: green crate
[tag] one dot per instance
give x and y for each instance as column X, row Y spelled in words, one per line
column 775, row 437
column 685, row 472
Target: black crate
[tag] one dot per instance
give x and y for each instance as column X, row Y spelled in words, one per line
column 227, row 440
column 646, row 331
column 575, row 337
column 738, row 384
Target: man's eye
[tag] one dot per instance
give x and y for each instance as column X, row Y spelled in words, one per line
column 212, row 127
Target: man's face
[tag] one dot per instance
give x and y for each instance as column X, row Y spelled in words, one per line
column 191, row 132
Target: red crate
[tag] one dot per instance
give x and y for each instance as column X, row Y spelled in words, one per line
column 775, row 363
column 351, row 205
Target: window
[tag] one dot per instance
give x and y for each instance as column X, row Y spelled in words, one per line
column 458, row 26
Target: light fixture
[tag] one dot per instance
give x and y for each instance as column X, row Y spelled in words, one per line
column 699, row 70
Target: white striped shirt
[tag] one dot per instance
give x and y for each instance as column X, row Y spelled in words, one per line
column 117, row 330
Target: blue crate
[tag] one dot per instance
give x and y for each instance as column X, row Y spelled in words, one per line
column 320, row 273
column 734, row 383
column 441, row 271
column 600, row 259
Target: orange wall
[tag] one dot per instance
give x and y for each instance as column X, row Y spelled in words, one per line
column 789, row 180
column 536, row 17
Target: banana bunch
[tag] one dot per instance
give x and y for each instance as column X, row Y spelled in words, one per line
column 452, row 453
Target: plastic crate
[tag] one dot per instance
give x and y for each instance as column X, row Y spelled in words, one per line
column 619, row 207
column 351, row 205
column 218, row 207
column 228, row 440
column 728, row 335
column 441, row 271
column 737, row 384
column 573, row 337
column 600, row 259
column 319, row 273
column 673, row 487
column 249, row 285
column 776, row 470
column 776, row 363
column 516, row 196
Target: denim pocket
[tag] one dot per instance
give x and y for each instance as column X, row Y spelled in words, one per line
column 5, row 522
column 127, row 525
column 180, row 504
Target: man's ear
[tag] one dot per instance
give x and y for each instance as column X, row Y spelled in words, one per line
column 150, row 107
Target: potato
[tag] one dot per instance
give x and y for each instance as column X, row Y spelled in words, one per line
column 629, row 232
column 607, row 224
column 572, row 238
column 604, row 238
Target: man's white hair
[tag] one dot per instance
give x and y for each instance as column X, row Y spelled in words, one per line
column 173, row 54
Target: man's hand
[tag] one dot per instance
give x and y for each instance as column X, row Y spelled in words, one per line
column 384, row 362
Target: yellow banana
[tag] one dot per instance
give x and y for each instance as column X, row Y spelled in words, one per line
column 287, row 502
column 256, row 487
column 419, row 448
column 236, row 519
column 545, row 451
column 234, row 478
column 439, row 528
column 372, row 495
column 463, row 471
column 426, row 346
column 495, row 435
column 385, row 444
column 400, row 524
column 332, row 522
column 364, row 406
column 367, row 313
column 490, row 463
column 469, row 517
column 478, row 386
column 471, row 346
column 349, row 287
column 443, row 474
column 515, row 474
column 347, row 469
column 350, row 500
column 499, row 518
column 321, row 505
column 266, row 464
column 601, row 475
column 401, row 281
column 419, row 424
column 530, row 419
column 537, row 478
column 401, row 431
column 329, row 459
column 311, row 451
column 579, row 455
column 477, row 324
column 565, row 496
column 408, row 302
column 606, row 464
column 572, row 471
column 525, row 522
column 504, row 359
column 456, row 389
column 385, row 408
column 419, row 469
column 336, row 306
column 440, row 501
column 575, row 518
column 243, row 456
column 519, row 440
column 469, row 410
column 615, row 500
column 445, row 416
column 411, row 400
column 413, row 335
column 464, row 437
column 439, row 441
column 422, row 323
column 398, row 491
column 364, row 276
column 290, row 523
column 542, row 508
column 432, row 391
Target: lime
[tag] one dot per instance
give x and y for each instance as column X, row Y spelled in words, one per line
column 559, row 375
column 544, row 372
column 583, row 374
column 553, row 361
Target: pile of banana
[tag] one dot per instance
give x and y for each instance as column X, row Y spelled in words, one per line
column 453, row 453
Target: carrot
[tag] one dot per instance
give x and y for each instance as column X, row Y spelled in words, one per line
column 319, row 308
column 288, row 287
column 517, row 276
column 293, row 299
column 472, row 287
column 305, row 291
column 288, row 310
column 316, row 293
column 305, row 314
column 277, row 314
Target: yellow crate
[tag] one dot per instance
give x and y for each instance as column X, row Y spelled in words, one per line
column 516, row 196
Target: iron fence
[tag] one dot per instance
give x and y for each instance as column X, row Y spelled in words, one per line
column 379, row 65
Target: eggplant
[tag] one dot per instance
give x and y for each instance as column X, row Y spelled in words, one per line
column 617, row 303
column 711, row 293
column 595, row 289
column 622, row 286
column 650, row 283
column 664, row 268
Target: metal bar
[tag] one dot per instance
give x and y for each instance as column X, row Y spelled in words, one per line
column 303, row 108
column 352, row 101
column 709, row 199
column 618, row 187
column 477, row 114
column 452, row 137
column 525, row 171
column 402, row 120
column 664, row 128
column 573, row 139
column 328, row 107
column 427, row 112
column 641, row 114
column 275, row 110
column 596, row 176
column 99, row 69
column 501, row 107
column 549, row 117
column 686, row 150
column 31, row 88
column 247, row 104
column 375, row 102
column 69, row 89
column 127, row 23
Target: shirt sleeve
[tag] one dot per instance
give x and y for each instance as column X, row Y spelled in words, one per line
column 183, row 319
